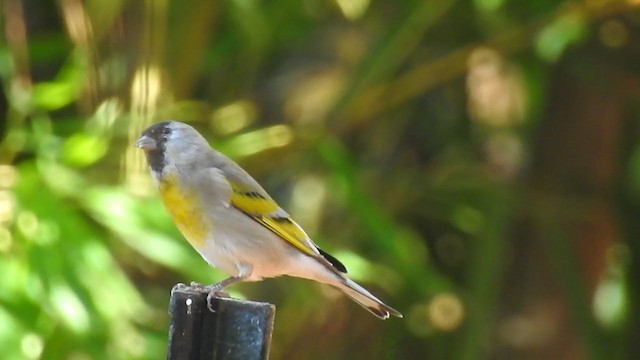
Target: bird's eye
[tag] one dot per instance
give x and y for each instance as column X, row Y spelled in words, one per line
column 166, row 131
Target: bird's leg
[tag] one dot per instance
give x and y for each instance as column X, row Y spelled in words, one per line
column 217, row 289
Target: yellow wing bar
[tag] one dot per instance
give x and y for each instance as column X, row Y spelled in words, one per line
column 252, row 202
column 289, row 231
column 261, row 209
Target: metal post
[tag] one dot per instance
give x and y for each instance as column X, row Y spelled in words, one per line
column 235, row 330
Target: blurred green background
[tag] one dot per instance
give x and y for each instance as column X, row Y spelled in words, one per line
column 474, row 163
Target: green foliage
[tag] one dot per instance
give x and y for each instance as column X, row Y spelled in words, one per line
column 354, row 116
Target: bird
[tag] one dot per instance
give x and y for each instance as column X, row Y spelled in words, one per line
column 232, row 222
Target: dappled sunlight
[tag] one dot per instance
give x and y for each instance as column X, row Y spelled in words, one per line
column 446, row 312
column 497, row 100
column 495, row 89
column 311, row 98
column 32, row 346
column 254, row 142
column 611, row 299
column 353, row 9
column 68, row 308
column 146, row 90
column 7, row 206
column 146, row 94
column 6, row 240
column 308, row 199
column 76, row 21
column 443, row 313
column 233, row 117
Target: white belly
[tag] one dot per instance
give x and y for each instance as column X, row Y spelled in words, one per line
column 238, row 242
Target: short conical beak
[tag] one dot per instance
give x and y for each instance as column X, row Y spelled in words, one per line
column 146, row 143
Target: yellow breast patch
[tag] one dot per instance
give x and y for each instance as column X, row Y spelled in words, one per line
column 186, row 211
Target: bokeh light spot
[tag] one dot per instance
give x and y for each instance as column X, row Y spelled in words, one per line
column 32, row 346
column 6, row 239
column 446, row 312
column 233, row 117
column 308, row 196
column 8, row 176
column 70, row 308
column 27, row 223
column 260, row 140
column 353, row 9
column 613, row 33
column 7, row 206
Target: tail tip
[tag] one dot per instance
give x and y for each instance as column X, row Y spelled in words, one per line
column 384, row 312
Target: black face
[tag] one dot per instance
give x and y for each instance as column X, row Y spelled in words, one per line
column 159, row 133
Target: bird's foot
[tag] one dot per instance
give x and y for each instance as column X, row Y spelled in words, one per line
column 212, row 291
column 215, row 289
column 178, row 286
column 215, row 294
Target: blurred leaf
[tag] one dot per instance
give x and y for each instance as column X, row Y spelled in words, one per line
column 489, row 5
column 65, row 89
column 370, row 98
column 83, row 149
column 119, row 212
column 556, row 37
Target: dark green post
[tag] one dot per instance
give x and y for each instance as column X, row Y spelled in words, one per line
column 234, row 330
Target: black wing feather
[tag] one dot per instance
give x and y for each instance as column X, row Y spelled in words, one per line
column 333, row 261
